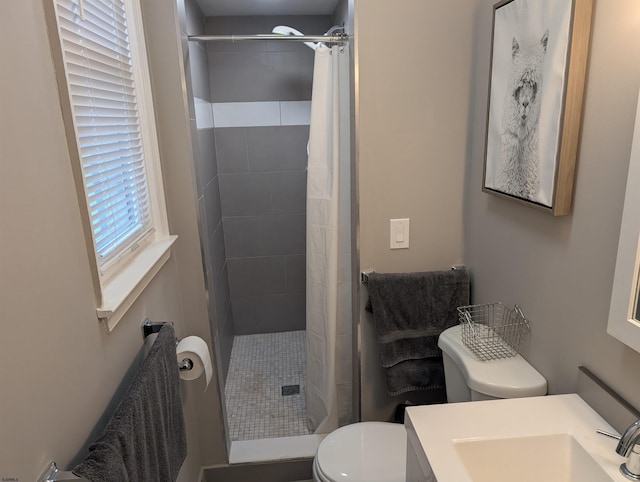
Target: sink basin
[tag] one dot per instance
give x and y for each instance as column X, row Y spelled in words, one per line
column 536, row 439
column 557, row 457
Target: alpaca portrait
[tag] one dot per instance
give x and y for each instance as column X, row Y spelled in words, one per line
column 518, row 168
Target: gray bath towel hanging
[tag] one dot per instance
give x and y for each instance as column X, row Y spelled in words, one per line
column 145, row 440
column 410, row 310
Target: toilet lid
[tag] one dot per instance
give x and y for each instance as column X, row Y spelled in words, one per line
column 364, row 452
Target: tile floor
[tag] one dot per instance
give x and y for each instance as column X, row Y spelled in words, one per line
column 260, row 366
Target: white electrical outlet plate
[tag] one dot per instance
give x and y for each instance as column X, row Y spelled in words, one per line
column 399, row 233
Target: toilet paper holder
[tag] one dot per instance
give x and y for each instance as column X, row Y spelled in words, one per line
column 150, row 327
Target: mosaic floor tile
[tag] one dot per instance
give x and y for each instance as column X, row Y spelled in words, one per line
column 260, row 369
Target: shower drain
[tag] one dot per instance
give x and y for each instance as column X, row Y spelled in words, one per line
column 290, row 390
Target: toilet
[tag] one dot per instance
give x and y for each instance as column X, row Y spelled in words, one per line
column 376, row 451
column 363, row 452
column 469, row 379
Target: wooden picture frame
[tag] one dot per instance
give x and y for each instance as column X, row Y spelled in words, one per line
column 538, row 68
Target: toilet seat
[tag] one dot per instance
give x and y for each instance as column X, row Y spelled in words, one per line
column 317, row 475
column 363, row 452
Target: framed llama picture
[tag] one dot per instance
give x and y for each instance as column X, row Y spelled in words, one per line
column 538, row 65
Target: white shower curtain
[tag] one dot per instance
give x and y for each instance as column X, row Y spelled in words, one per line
column 329, row 396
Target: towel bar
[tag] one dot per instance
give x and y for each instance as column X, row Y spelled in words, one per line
column 364, row 275
column 53, row 474
column 150, row 327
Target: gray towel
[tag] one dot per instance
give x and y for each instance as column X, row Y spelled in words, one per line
column 145, row 440
column 410, row 310
column 411, row 375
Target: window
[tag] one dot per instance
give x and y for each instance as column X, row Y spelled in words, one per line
column 109, row 115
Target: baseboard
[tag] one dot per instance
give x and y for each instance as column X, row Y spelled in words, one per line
column 278, row 471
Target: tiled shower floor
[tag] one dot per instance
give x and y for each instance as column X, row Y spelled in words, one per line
column 260, row 366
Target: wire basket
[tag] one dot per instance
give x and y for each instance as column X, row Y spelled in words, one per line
column 493, row 331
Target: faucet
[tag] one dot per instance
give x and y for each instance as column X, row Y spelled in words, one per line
column 628, row 447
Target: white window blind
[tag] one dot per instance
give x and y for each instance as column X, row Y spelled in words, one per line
column 100, row 77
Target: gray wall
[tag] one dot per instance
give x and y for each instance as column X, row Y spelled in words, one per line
column 62, row 372
column 412, row 128
column 560, row 270
column 166, row 44
column 207, row 184
column 262, row 171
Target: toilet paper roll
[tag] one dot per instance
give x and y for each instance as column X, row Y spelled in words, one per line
column 195, row 349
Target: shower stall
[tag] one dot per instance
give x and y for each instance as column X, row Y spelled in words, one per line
column 270, row 237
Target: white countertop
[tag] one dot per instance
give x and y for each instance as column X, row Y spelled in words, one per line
column 433, row 429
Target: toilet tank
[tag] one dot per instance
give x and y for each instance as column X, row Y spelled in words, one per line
column 468, row 378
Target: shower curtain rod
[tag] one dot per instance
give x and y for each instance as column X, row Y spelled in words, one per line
column 336, row 38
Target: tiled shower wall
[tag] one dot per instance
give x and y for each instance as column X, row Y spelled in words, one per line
column 260, row 94
column 211, row 226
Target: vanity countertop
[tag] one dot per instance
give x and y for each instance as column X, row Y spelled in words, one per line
column 436, row 433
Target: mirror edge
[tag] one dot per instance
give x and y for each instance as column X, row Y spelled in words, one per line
column 621, row 324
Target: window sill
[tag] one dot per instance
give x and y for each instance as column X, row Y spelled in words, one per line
column 120, row 292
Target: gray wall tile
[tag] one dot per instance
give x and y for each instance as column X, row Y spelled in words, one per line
column 297, row 47
column 214, row 326
column 226, row 341
column 265, row 235
column 244, row 316
column 277, row 148
column 245, row 194
column 184, row 43
column 233, row 25
column 199, row 65
column 208, row 165
column 295, row 274
column 285, row 79
column 256, row 276
column 240, row 76
column 285, row 69
column 289, row 192
column 209, row 284
column 195, row 20
column 222, row 297
column 218, row 252
column 197, row 156
column 282, row 312
column 268, row 314
column 262, row 174
column 212, row 206
column 231, row 147
column 259, row 76
column 306, row 77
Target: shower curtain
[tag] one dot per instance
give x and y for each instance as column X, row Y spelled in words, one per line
column 329, row 396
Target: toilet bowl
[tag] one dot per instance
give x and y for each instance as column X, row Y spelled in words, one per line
column 362, row 452
column 376, row 451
